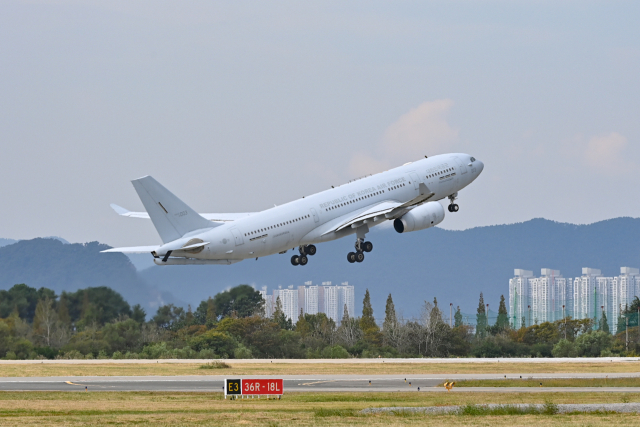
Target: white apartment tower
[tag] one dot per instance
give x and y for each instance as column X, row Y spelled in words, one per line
column 585, row 294
column 308, row 298
column 346, row 296
column 289, row 301
column 519, row 297
column 328, row 301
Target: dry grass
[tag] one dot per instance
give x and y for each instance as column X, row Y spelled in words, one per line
column 128, row 408
column 552, row 382
column 128, row 369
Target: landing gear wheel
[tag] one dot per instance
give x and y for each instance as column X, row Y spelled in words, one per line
column 359, row 256
column 367, row 246
column 351, row 257
column 311, row 250
column 454, row 208
column 303, row 260
column 295, row 260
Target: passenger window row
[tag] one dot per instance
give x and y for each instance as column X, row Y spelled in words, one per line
column 271, row 227
column 439, row 173
column 339, row 205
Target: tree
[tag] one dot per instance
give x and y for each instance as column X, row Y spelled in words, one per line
column 481, row 319
column 242, row 300
column 349, row 332
column 138, row 314
column 368, row 322
column 602, row 324
column 100, row 305
column 458, row 318
column 503, row 316
column 390, row 320
column 24, row 300
column 280, row 318
column 45, row 320
column 168, row 316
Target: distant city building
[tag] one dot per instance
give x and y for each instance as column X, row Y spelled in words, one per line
column 312, row 299
column 550, row 297
column 289, row 300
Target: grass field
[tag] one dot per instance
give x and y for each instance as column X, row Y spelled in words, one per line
column 556, row 382
column 133, row 408
column 47, row 370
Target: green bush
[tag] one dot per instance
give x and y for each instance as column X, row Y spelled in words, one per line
column 242, row 352
column 564, row 348
column 335, row 352
column 593, row 343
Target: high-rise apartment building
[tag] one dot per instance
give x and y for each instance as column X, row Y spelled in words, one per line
column 346, row 296
column 289, row 300
column 551, row 297
column 519, row 297
column 308, row 298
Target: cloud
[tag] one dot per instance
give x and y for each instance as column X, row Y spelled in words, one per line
column 607, row 152
column 422, row 131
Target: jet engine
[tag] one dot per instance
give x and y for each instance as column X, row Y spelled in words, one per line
column 424, row 216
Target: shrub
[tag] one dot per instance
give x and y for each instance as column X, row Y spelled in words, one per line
column 564, row 348
column 335, row 352
column 242, row 352
column 214, row 365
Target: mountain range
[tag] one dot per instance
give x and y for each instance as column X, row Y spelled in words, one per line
column 454, row 266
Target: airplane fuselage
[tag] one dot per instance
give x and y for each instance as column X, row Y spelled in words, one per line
column 314, row 219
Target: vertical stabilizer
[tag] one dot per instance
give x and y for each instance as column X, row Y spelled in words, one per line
column 170, row 215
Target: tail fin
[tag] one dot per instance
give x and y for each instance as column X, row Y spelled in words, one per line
column 170, row 215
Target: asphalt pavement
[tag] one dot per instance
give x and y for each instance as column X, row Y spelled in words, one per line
column 300, row 383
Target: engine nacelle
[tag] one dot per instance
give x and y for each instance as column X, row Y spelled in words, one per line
column 424, row 216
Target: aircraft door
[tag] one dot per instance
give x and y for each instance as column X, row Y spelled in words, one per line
column 237, row 235
column 416, row 179
column 461, row 166
column 316, row 218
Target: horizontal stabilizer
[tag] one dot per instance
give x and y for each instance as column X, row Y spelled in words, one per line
column 125, row 212
column 134, row 249
column 214, row 217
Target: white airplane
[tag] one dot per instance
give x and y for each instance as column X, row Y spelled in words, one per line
column 407, row 195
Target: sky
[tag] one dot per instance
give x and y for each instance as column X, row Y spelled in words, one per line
column 236, row 106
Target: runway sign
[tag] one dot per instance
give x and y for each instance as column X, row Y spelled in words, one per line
column 253, row 387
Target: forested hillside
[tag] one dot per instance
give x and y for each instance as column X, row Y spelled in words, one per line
column 67, row 267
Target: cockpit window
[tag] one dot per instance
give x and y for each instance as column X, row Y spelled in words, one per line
column 473, row 159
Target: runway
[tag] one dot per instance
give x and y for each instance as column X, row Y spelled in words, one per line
column 299, row 383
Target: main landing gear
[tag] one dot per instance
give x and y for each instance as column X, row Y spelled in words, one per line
column 453, row 207
column 302, row 259
column 361, row 248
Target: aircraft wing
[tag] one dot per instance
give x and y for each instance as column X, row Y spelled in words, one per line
column 371, row 214
column 215, row 217
column 383, row 210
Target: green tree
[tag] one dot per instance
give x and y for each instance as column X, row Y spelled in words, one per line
column 242, row 300
column 138, row 314
column 390, row 320
column 280, row 318
column 368, row 322
column 458, row 321
column 100, row 305
column 593, row 344
column 503, row 316
column 168, row 316
column 24, row 300
column 481, row 319
column 602, row 324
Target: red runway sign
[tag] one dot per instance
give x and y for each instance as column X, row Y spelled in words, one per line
column 253, row 387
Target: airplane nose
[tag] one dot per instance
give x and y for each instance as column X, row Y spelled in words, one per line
column 480, row 167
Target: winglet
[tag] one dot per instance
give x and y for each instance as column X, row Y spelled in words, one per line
column 119, row 209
